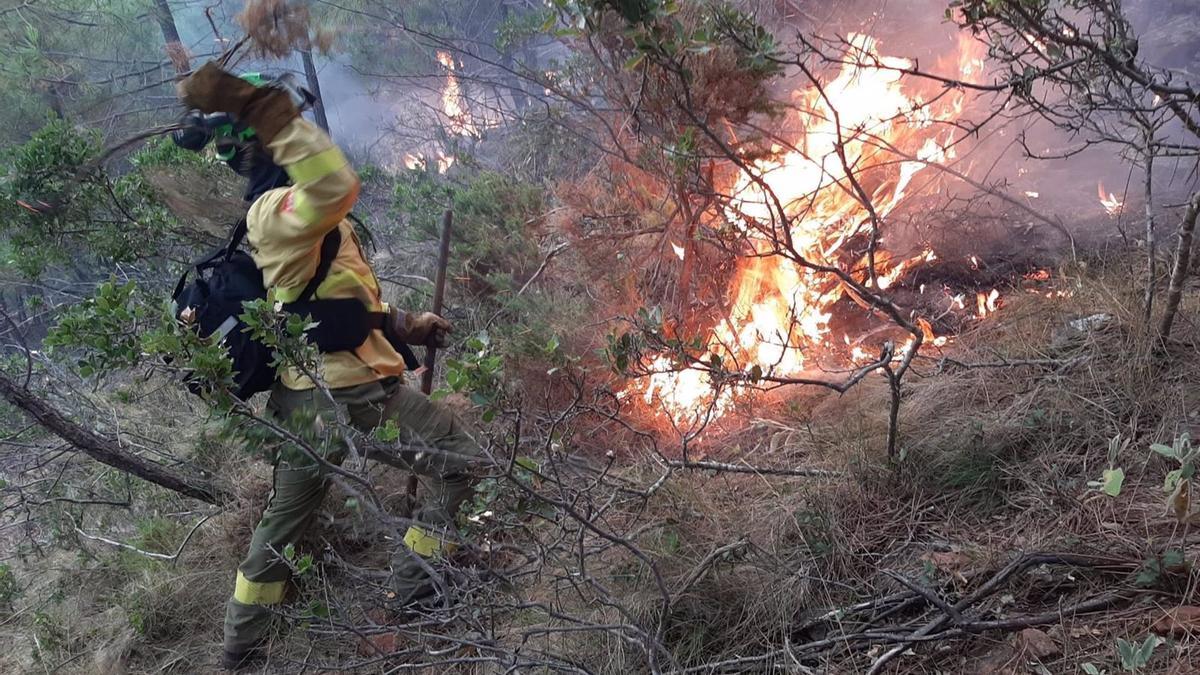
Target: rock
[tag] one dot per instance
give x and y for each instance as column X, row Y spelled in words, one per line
column 378, row 645
column 1178, row 622
column 111, row 657
column 999, row 661
column 1089, row 323
column 1037, row 644
column 948, row 561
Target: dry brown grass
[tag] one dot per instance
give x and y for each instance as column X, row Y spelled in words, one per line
column 997, row 462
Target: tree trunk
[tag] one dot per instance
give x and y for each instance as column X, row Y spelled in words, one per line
column 106, row 450
column 1179, row 271
column 516, row 87
column 1151, row 243
column 175, row 49
column 314, row 85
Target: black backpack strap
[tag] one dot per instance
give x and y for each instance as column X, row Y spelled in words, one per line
column 329, row 250
column 223, row 254
column 363, row 231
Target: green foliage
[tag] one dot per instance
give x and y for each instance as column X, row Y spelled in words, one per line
column 493, row 219
column 162, row 152
column 504, row 501
column 10, row 590
column 516, row 29
column 1154, row 569
column 1136, row 656
column 58, row 208
column 478, row 373
column 159, row 535
column 1112, row 478
column 60, row 58
column 104, row 330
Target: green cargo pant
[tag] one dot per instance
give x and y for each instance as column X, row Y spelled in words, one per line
column 300, row 484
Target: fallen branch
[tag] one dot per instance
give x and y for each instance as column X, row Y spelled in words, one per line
column 106, row 450
column 989, row 587
column 149, row 554
column 740, row 468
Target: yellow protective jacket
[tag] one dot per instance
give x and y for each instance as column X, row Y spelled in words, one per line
column 285, row 228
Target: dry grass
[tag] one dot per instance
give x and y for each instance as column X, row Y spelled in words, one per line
column 997, row 462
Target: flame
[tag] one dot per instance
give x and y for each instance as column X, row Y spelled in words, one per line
column 1111, row 204
column 779, row 313
column 418, row 160
column 928, row 334
column 986, row 303
column 454, row 104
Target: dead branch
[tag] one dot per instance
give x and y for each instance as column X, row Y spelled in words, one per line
column 723, row 467
column 1179, row 270
column 106, row 450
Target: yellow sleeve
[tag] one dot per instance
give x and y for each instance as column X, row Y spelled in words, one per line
column 286, row 226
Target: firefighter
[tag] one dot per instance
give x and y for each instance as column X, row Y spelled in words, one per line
column 300, row 188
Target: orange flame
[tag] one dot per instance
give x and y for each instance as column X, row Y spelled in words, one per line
column 779, row 310
column 986, row 303
column 454, row 104
column 1109, row 201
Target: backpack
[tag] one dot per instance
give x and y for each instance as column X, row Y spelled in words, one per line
column 228, row 277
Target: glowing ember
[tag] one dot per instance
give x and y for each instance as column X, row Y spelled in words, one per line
column 1110, row 202
column 777, row 310
column 678, row 250
column 1031, row 194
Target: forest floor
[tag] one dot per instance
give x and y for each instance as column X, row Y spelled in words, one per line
column 993, row 529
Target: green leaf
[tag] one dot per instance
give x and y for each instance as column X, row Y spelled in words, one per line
column 289, row 552
column 1112, row 480
column 1147, row 650
column 671, row 539
column 1164, row 450
column 1126, row 652
column 1088, row 668
column 634, row 61
column 1172, row 480
column 1172, row 558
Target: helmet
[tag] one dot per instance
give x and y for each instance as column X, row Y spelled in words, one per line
column 236, row 143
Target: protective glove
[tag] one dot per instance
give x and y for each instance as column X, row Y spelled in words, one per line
column 426, row 328
column 210, row 89
column 194, row 134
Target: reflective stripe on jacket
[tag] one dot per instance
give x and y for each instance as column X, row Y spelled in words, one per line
column 285, row 228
